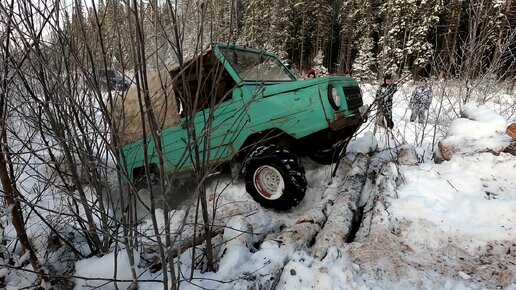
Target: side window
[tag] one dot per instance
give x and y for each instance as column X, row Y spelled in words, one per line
column 222, row 84
column 204, row 91
column 189, row 93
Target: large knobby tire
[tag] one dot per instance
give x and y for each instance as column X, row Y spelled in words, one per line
column 274, row 177
column 329, row 155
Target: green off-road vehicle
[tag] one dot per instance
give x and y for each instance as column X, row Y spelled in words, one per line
column 243, row 106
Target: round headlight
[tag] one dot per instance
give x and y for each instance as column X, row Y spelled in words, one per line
column 334, row 98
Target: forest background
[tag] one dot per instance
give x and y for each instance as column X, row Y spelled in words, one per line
column 365, row 38
column 57, row 164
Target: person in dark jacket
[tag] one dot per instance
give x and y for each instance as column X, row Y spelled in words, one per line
column 420, row 101
column 384, row 96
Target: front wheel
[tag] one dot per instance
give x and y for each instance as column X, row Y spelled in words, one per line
column 274, row 177
column 329, row 155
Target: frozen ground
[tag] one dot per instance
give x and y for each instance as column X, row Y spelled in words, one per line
column 425, row 226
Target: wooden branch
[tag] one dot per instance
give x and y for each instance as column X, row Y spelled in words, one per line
column 17, row 217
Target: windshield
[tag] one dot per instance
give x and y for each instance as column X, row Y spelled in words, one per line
column 252, row 66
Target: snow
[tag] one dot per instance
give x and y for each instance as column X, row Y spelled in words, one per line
column 480, row 129
column 436, row 226
column 466, row 199
column 333, row 272
column 237, row 238
column 103, row 269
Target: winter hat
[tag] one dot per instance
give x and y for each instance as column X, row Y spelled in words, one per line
column 387, row 77
column 423, row 80
column 311, row 72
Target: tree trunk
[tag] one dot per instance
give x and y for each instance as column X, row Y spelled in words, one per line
column 503, row 32
column 10, row 193
column 302, row 43
column 450, row 47
column 12, row 201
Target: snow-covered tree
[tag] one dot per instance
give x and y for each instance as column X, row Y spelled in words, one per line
column 357, row 20
column 396, row 16
column 257, row 23
column 363, row 64
column 485, row 19
column 417, row 46
column 318, row 66
column 224, row 17
column 404, row 37
column 303, row 33
column 323, row 17
column 282, row 26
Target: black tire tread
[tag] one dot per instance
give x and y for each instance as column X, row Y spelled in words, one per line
column 288, row 164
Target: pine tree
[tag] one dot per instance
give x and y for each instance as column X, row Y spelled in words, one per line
column 358, row 25
column 282, row 25
column 395, row 19
column 323, row 17
column 306, row 36
column 365, row 61
column 225, row 18
column 448, row 29
column 318, row 66
column 257, row 23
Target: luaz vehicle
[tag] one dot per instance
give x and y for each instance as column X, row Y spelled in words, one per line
column 250, row 110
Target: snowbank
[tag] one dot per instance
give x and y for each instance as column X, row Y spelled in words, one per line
column 472, row 197
column 98, row 272
column 480, row 130
column 467, row 199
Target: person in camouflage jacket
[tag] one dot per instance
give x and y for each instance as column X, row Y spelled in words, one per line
column 420, row 101
column 384, row 96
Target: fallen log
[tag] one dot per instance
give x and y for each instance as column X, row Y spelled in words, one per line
column 296, row 237
column 338, row 226
column 511, row 131
column 375, row 220
column 302, row 233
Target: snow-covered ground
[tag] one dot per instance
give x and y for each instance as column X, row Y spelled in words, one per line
column 425, row 226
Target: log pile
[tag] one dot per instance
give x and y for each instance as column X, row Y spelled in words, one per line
column 343, row 214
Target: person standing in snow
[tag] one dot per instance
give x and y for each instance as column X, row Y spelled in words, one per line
column 384, row 96
column 420, row 101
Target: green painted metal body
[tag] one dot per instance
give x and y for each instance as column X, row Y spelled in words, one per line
column 298, row 108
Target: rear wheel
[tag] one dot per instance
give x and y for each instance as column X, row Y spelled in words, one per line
column 144, row 180
column 141, row 200
column 274, row 177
